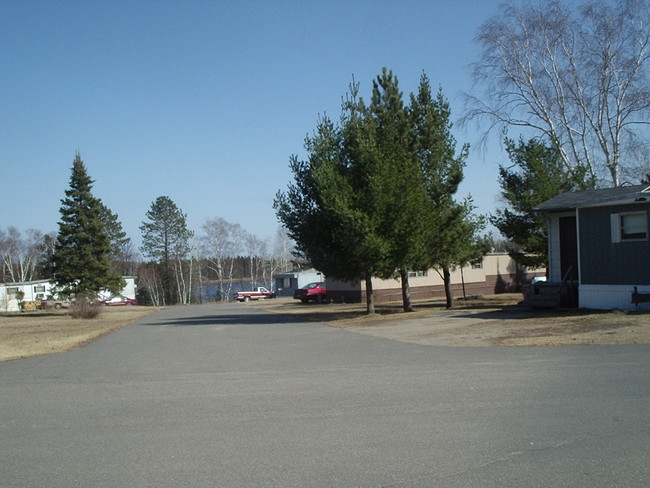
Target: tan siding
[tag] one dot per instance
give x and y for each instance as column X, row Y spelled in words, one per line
column 499, row 274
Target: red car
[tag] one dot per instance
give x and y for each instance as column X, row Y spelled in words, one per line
column 117, row 301
column 313, row 291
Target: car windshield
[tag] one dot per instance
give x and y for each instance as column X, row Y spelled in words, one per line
column 312, row 285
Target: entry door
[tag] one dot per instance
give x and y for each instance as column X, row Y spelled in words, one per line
column 568, row 247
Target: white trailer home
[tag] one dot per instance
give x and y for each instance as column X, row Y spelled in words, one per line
column 11, row 294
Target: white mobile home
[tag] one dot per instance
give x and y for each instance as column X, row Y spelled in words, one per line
column 11, row 294
column 287, row 283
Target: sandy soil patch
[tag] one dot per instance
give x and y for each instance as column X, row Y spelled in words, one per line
column 495, row 320
column 36, row 333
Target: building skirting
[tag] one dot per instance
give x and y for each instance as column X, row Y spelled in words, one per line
column 493, row 284
column 611, row 297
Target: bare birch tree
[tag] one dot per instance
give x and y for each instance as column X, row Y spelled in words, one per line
column 577, row 76
column 149, row 279
column 283, row 247
column 20, row 255
column 183, row 272
column 252, row 248
column 220, row 244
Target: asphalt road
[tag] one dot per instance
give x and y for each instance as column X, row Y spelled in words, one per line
column 231, row 396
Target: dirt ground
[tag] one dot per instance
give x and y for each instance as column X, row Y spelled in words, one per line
column 494, row 320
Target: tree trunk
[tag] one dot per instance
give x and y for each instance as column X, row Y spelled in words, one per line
column 447, row 279
column 406, row 291
column 370, row 303
column 462, row 279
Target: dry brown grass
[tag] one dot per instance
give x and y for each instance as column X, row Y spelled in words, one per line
column 37, row 332
column 483, row 321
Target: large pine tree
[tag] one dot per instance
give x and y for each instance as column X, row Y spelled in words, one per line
column 453, row 230
column 81, row 255
column 120, row 258
column 398, row 195
column 536, row 173
column 166, row 240
column 375, row 197
column 326, row 211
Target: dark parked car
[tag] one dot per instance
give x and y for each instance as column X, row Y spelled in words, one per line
column 313, row 291
column 117, row 301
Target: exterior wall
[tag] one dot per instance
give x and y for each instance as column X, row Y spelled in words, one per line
column 42, row 289
column 605, row 262
column 33, row 291
column 555, row 263
column 611, row 297
column 608, row 270
column 128, row 291
column 498, row 273
column 287, row 283
column 8, row 302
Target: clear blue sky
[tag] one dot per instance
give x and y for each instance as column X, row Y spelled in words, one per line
column 205, row 101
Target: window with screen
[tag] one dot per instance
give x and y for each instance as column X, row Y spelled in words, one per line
column 634, row 226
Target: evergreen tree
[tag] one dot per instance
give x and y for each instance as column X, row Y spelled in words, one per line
column 166, row 240
column 81, row 254
column 398, row 187
column 453, row 238
column 536, row 174
column 120, row 244
column 325, row 209
column 375, row 197
column 458, row 241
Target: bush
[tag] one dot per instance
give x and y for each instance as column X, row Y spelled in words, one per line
column 83, row 308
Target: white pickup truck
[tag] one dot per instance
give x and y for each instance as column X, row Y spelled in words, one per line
column 260, row 293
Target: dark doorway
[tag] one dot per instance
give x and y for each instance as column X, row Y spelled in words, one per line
column 568, row 248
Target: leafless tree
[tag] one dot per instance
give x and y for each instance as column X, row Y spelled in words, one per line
column 127, row 261
column 283, row 246
column 150, row 280
column 219, row 244
column 577, row 76
column 253, row 249
column 182, row 269
column 20, row 254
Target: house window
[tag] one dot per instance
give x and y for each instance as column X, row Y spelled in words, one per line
column 477, row 264
column 418, row 273
column 39, row 289
column 634, row 226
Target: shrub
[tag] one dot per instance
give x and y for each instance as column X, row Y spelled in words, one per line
column 83, row 308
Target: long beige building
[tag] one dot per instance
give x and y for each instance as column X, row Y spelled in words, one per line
column 495, row 273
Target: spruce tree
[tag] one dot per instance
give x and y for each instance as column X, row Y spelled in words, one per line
column 81, row 255
column 119, row 243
